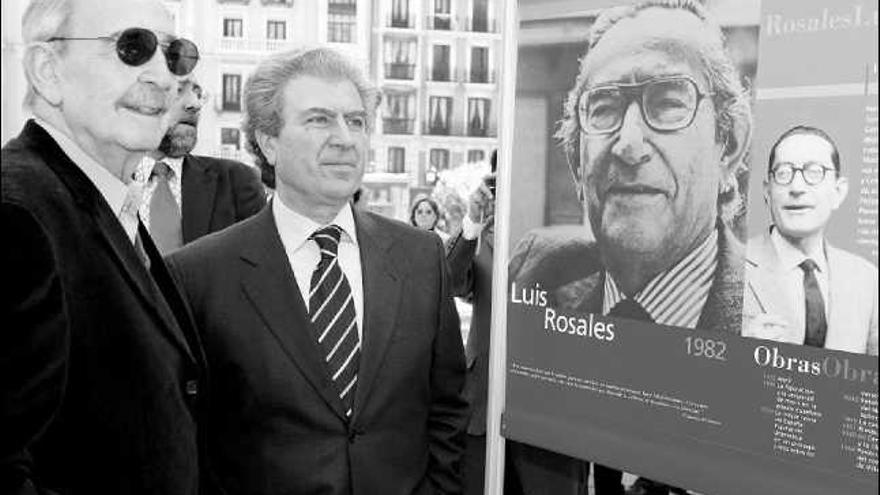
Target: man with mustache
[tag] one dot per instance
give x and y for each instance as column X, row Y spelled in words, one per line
column 655, row 128
column 332, row 337
column 188, row 196
column 801, row 289
column 99, row 362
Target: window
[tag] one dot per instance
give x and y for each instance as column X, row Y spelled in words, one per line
column 276, row 30
column 233, row 27
column 439, row 110
column 397, row 159
column 439, row 159
column 230, row 136
column 400, row 16
column 232, row 92
column 341, row 21
column 479, row 64
column 478, row 116
column 400, row 56
column 475, row 156
column 480, row 21
column 440, row 69
column 399, row 108
column 442, row 18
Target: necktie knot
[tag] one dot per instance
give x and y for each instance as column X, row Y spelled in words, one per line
column 808, row 265
column 328, row 240
column 161, row 170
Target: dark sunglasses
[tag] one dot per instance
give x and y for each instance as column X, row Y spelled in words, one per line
column 136, row 46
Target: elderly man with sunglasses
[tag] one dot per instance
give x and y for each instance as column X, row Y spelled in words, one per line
column 100, row 365
column 656, row 127
column 801, row 289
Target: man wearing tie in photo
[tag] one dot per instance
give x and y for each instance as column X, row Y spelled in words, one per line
column 330, row 331
column 799, row 288
column 187, row 196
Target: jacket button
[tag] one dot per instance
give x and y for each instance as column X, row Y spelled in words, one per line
column 192, row 388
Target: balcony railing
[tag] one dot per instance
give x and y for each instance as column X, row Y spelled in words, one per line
column 441, row 22
column 397, row 125
column 400, row 71
column 477, row 131
column 234, row 45
column 481, row 25
column 401, row 22
column 440, row 73
column 437, row 129
column 481, row 76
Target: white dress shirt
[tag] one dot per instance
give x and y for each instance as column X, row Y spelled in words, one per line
column 304, row 254
column 792, row 274
column 144, row 175
column 122, row 199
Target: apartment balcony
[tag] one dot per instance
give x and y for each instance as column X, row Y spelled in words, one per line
column 402, row 71
column 480, row 76
column 401, row 22
column 440, row 22
column 481, row 25
column 438, row 129
column 249, row 45
column 440, row 74
column 398, row 125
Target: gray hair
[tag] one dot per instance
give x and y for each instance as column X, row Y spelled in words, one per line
column 43, row 20
column 264, row 90
column 729, row 95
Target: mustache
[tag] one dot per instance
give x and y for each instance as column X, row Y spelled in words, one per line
column 147, row 97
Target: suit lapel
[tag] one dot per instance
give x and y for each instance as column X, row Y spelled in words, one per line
column 723, row 309
column 270, row 285
column 763, row 277
column 382, row 291
column 110, row 231
column 198, row 186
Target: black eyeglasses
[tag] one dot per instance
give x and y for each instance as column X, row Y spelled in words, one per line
column 136, row 46
column 813, row 173
column 667, row 104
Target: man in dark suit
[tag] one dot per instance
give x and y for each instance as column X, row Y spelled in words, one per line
column 655, row 133
column 337, row 364
column 99, row 362
column 187, row 196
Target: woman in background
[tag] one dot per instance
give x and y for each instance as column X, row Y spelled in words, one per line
column 424, row 214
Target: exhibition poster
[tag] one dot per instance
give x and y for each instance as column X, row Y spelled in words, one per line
column 692, row 295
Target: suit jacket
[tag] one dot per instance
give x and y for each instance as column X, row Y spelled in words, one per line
column 570, row 269
column 217, row 193
column 852, row 322
column 99, row 361
column 471, row 275
column 277, row 425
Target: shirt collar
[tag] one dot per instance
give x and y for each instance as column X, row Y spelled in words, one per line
column 674, row 297
column 791, row 257
column 295, row 229
column 111, row 188
column 145, row 167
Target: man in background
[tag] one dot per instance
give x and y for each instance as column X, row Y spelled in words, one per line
column 187, row 196
column 332, row 338
column 655, row 127
column 99, row 363
column 801, row 289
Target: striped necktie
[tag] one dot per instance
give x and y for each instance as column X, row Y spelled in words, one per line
column 332, row 316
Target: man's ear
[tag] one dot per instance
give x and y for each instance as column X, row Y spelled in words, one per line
column 269, row 146
column 42, row 67
column 841, row 188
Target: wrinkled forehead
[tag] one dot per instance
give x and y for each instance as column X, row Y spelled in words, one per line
column 92, row 18
column 654, row 42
